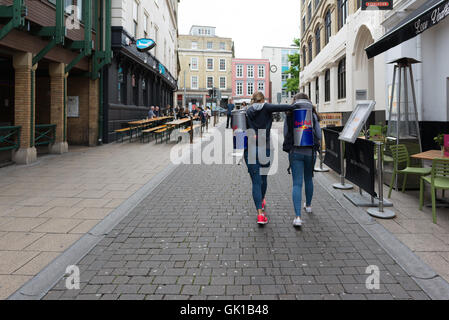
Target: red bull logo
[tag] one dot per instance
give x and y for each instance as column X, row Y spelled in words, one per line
column 302, row 128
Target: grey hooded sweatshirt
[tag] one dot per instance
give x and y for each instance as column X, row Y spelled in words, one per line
column 259, row 116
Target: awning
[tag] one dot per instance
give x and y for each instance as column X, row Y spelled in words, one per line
column 426, row 16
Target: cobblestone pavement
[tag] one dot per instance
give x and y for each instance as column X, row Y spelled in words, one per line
column 195, row 237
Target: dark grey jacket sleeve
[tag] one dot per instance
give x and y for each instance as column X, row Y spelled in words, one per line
column 278, row 107
column 317, row 128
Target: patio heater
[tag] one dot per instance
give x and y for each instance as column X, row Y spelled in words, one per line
column 403, row 126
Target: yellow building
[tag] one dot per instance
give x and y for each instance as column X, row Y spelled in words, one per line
column 205, row 61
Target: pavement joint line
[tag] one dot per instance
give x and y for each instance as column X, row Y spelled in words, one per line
column 38, row 286
column 425, row 277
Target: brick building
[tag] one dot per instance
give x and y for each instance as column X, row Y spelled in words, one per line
column 249, row 76
column 51, row 55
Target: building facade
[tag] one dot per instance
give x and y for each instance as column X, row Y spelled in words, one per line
column 426, row 25
column 248, row 77
column 135, row 80
column 52, row 53
column 335, row 70
column 205, row 61
column 279, row 65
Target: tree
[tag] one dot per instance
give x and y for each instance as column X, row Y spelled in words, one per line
column 292, row 84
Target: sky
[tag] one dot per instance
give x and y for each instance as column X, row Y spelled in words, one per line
column 252, row 24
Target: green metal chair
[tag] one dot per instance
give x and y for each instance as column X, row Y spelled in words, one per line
column 400, row 155
column 439, row 179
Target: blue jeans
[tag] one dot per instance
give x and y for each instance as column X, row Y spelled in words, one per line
column 259, row 182
column 302, row 168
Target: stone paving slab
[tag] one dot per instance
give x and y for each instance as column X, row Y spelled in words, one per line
column 195, row 237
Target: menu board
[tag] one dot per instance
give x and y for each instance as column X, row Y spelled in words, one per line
column 356, row 121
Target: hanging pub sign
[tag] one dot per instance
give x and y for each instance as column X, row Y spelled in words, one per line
column 144, row 44
column 377, row 5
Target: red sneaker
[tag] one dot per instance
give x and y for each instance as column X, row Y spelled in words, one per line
column 263, row 204
column 262, row 219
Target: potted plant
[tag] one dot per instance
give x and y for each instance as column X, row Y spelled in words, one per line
column 439, row 140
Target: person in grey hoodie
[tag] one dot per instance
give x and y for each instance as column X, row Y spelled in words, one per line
column 259, row 120
column 302, row 159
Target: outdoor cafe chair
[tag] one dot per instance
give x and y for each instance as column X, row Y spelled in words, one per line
column 438, row 179
column 400, row 155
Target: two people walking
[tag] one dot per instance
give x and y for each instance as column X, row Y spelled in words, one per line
column 259, row 119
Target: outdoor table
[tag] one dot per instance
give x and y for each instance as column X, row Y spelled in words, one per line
column 428, row 155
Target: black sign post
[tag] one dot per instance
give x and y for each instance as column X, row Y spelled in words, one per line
column 332, row 157
column 377, row 5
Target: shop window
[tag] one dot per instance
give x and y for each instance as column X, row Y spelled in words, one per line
column 135, row 86
column 327, row 86
column 317, row 90
column 121, row 85
column 145, row 92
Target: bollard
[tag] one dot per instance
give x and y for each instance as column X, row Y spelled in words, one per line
column 320, row 168
column 380, row 212
column 342, row 185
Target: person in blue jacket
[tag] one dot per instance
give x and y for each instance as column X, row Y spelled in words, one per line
column 259, row 122
column 302, row 159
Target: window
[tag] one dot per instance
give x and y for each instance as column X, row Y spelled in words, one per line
column 239, row 71
column 328, row 28
column 222, row 64
column 135, row 16
column 317, row 3
column 261, row 86
column 284, row 92
column 327, row 85
column 239, row 87
column 222, row 46
column 194, row 45
column 194, row 63
column 309, row 86
column 210, row 82
column 145, row 92
column 194, row 82
column 250, row 88
column 317, row 90
column 309, row 12
column 250, row 71
column 156, row 34
column 317, row 40
column 210, row 64
column 145, row 25
column 222, row 82
column 121, row 75
column 342, row 79
column 261, row 71
column 304, row 60
column 342, row 6
column 209, row 45
column 303, row 24
column 134, row 83
column 310, row 50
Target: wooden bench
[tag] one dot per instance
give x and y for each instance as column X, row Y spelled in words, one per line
column 151, row 131
column 123, row 131
column 162, row 132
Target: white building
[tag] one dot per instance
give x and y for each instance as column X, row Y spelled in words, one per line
column 431, row 47
column 334, row 64
column 279, row 64
column 155, row 19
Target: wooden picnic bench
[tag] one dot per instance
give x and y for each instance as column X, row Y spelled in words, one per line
column 123, row 131
column 148, row 132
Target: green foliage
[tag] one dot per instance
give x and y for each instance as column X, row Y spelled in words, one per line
column 292, row 84
column 439, row 139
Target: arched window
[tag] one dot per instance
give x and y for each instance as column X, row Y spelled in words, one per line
column 328, row 26
column 342, row 6
column 317, row 40
column 317, row 90
column 304, row 60
column 310, row 49
column 327, row 85
column 342, row 79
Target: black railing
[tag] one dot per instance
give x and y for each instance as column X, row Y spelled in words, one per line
column 45, row 134
column 9, row 138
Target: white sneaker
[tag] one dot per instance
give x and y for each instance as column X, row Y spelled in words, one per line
column 308, row 209
column 297, row 222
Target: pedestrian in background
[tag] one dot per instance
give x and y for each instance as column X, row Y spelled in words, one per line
column 259, row 118
column 156, row 112
column 230, row 107
column 301, row 158
column 151, row 113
